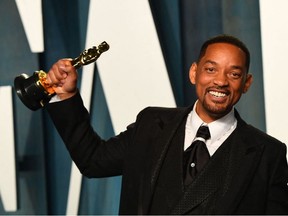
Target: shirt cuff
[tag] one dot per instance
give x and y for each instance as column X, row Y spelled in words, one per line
column 54, row 99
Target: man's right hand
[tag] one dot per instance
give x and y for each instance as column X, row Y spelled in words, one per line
column 63, row 78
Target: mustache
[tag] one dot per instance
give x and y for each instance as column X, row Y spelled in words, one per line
column 223, row 89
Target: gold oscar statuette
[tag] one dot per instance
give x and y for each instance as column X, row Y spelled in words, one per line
column 35, row 91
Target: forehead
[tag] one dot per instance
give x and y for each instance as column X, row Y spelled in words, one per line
column 224, row 52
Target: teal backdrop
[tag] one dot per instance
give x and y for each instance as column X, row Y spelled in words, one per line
column 43, row 164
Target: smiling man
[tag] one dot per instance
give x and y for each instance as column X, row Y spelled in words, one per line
column 202, row 159
column 220, row 76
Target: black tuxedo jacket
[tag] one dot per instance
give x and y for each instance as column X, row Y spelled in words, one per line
column 258, row 171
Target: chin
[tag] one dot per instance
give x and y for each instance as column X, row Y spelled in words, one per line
column 217, row 110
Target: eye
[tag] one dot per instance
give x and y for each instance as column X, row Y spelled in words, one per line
column 235, row 75
column 210, row 69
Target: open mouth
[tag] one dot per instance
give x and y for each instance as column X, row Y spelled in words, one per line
column 218, row 94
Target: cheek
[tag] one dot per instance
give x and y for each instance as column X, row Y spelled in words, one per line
column 201, row 88
column 238, row 91
column 204, row 81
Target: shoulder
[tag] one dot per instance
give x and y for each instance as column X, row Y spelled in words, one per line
column 161, row 116
column 255, row 135
column 263, row 135
column 163, row 112
column 166, row 110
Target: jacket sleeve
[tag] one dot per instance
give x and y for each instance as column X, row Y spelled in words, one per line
column 277, row 202
column 93, row 156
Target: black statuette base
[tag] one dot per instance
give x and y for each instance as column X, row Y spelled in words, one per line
column 31, row 92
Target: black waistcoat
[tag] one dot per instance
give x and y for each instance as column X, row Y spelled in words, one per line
column 204, row 193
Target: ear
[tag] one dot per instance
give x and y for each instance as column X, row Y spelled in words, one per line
column 192, row 73
column 248, row 82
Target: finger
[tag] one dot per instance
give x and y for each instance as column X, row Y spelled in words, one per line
column 65, row 65
column 51, row 78
column 58, row 71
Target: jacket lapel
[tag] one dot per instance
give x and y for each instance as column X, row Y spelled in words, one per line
column 245, row 156
column 167, row 127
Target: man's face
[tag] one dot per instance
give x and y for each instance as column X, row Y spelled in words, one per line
column 220, row 79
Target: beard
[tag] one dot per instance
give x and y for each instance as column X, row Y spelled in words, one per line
column 217, row 110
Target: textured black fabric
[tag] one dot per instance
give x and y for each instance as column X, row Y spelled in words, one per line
column 204, row 196
column 250, row 180
column 196, row 155
column 169, row 187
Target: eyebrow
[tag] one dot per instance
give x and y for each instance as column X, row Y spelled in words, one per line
column 237, row 67
column 211, row 62
column 215, row 63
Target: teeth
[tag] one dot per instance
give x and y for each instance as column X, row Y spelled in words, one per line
column 217, row 94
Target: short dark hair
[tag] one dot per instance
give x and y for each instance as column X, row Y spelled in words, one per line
column 226, row 39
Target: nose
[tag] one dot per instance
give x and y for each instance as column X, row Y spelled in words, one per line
column 221, row 79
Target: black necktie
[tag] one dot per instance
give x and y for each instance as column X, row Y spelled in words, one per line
column 196, row 155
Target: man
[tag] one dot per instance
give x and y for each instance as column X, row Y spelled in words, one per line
column 247, row 172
